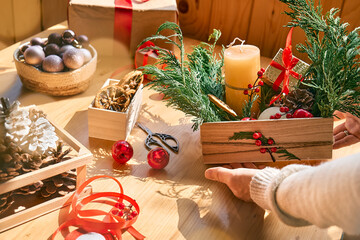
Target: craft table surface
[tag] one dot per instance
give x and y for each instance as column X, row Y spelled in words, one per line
column 177, row 202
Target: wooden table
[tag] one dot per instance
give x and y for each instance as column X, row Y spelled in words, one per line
column 177, row 202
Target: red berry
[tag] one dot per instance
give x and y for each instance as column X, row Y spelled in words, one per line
column 301, row 113
column 282, row 109
column 122, row 151
column 130, row 217
column 158, row 158
column 272, row 117
column 277, row 115
column 260, row 74
column 286, row 109
column 120, row 205
column 250, row 86
column 114, row 212
column 270, row 141
column 262, row 69
column 246, row 92
column 120, row 213
column 257, row 89
column 246, row 119
column 289, row 115
column 134, row 213
column 257, row 135
column 258, row 142
column 263, row 150
column 274, row 149
column 261, row 83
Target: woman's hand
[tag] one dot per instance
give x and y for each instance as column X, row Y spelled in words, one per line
column 236, row 176
column 347, row 133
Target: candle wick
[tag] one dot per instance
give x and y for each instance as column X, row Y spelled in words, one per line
column 233, row 42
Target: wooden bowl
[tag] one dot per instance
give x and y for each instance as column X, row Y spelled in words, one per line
column 56, row 84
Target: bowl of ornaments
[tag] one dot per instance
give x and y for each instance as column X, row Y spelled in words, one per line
column 60, row 65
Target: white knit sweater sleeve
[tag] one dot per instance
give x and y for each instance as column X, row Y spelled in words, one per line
column 300, row 195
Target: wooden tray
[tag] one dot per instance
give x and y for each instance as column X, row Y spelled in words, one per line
column 307, row 139
column 79, row 162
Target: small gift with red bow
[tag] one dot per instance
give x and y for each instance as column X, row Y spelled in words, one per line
column 285, row 70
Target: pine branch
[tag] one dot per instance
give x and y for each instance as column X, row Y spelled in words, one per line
column 285, row 154
column 334, row 74
column 247, row 105
column 186, row 83
column 241, row 135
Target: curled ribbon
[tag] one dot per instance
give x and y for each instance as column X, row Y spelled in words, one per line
column 147, row 53
column 111, row 225
column 289, row 62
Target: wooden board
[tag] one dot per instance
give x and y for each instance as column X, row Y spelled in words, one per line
column 53, row 12
column 305, row 138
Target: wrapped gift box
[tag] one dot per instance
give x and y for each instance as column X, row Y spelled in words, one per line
column 113, row 30
column 272, row 73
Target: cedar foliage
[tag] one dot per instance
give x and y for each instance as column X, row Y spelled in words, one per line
column 186, row 83
column 334, row 75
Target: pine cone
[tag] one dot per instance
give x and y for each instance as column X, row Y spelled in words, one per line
column 299, row 98
column 31, row 162
column 29, row 189
column 57, row 155
column 30, row 130
column 10, row 161
column 6, row 200
column 60, row 184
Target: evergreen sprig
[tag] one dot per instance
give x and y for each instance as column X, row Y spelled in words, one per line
column 334, row 75
column 186, row 83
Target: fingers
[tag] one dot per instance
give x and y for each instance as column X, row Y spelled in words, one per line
column 219, row 174
column 345, row 141
column 340, row 128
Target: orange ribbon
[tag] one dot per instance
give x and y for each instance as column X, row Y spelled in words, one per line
column 111, row 226
column 289, row 62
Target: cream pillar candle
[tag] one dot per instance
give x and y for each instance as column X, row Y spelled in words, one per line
column 242, row 62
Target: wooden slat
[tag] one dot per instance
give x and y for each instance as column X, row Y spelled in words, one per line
column 27, row 18
column 194, row 17
column 299, row 136
column 7, row 34
column 53, row 12
column 350, row 13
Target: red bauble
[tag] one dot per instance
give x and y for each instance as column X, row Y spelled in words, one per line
column 158, row 158
column 122, row 151
column 301, row 113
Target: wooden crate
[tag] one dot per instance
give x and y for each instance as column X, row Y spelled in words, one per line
column 79, row 162
column 112, row 125
column 307, row 139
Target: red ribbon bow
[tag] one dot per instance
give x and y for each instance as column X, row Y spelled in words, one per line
column 84, row 220
column 147, row 53
column 289, row 62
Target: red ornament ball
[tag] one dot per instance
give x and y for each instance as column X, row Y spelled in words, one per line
column 122, row 151
column 258, row 142
column 263, row 150
column 158, row 158
column 261, row 83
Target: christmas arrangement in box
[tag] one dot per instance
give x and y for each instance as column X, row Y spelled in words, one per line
column 115, row 109
column 283, row 112
column 40, row 164
column 60, row 65
column 116, row 27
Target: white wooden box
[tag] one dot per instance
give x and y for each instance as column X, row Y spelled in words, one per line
column 35, row 207
column 112, row 125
